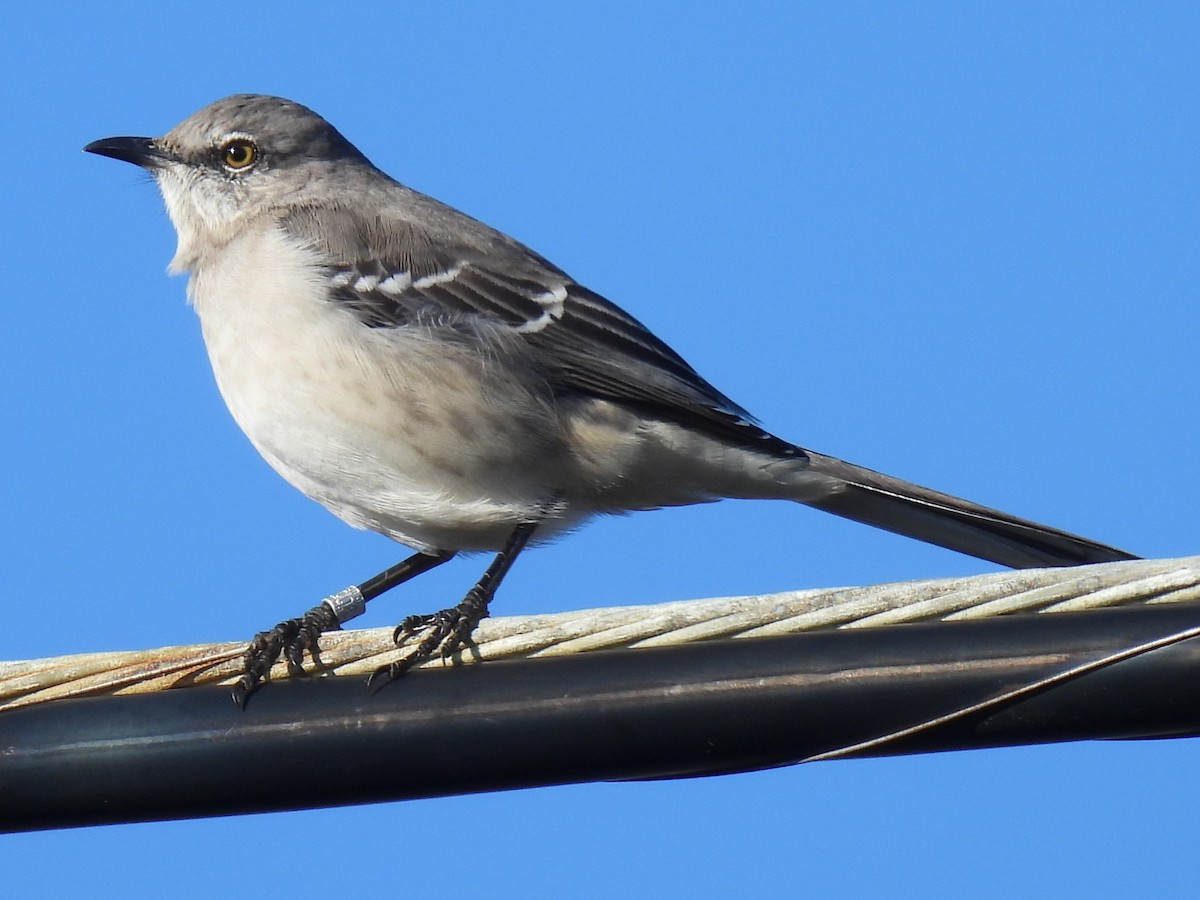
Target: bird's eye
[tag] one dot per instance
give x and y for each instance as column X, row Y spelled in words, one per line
column 239, row 154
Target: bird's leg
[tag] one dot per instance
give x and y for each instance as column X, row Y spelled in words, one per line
column 293, row 637
column 450, row 629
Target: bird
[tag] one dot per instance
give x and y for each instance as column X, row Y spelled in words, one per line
column 425, row 376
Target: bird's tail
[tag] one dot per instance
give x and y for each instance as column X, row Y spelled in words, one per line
column 917, row 512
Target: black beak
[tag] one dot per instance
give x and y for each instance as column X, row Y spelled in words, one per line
column 137, row 150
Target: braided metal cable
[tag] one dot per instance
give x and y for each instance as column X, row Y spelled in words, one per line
column 27, row 682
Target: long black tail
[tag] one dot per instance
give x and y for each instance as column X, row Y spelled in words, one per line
column 918, row 512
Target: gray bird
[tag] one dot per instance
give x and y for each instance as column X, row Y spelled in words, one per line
column 420, row 374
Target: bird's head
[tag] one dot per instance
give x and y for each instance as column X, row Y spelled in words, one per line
column 238, row 159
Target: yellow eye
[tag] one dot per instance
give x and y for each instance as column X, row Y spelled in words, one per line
column 239, row 154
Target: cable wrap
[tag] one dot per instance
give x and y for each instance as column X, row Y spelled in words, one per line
column 27, row 682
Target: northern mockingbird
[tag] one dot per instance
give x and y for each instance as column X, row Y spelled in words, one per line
column 427, row 377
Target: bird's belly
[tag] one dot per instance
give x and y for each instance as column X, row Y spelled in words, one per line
column 394, row 430
column 423, row 482
column 432, row 475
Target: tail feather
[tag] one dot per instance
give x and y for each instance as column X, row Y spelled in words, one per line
column 917, row 512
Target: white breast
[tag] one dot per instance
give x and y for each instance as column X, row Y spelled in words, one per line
column 390, row 429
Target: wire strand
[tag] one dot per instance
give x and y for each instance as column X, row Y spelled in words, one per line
column 27, row 682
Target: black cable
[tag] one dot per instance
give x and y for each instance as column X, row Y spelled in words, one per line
column 718, row 706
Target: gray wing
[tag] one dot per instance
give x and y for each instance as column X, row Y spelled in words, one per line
column 431, row 266
column 582, row 342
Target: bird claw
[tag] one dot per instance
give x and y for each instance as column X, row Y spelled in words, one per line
column 449, row 631
column 291, row 639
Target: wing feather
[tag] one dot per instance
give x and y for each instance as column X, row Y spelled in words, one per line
column 581, row 341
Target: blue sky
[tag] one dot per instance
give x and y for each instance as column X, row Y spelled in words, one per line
column 958, row 244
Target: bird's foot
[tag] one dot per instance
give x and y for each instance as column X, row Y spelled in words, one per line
column 290, row 639
column 449, row 631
